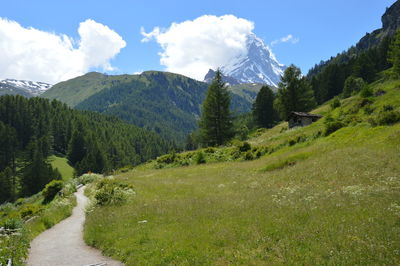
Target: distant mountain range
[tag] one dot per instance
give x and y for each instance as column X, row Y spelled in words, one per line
column 23, row 87
column 259, row 66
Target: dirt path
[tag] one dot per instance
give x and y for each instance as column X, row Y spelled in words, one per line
column 63, row 244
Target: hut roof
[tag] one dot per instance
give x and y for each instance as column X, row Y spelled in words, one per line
column 301, row 114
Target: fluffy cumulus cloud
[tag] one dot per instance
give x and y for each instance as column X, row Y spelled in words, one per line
column 194, row 46
column 32, row 54
column 288, row 38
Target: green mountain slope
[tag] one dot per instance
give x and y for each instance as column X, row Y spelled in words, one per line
column 163, row 102
column 75, row 90
column 315, row 197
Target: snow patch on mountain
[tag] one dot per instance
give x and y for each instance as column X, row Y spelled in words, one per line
column 258, row 65
column 31, row 87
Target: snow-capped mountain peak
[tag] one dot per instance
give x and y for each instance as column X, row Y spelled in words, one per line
column 258, row 65
column 32, row 88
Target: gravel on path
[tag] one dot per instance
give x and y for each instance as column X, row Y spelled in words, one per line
column 63, row 244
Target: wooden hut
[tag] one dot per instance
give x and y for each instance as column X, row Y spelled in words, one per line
column 300, row 119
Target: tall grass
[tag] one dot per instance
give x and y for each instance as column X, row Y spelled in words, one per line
column 330, row 200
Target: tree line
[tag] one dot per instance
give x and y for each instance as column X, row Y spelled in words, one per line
column 33, row 129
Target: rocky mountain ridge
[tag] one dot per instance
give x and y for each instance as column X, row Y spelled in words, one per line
column 23, row 87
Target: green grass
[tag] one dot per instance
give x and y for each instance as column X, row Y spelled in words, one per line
column 331, row 200
column 61, row 163
column 287, row 161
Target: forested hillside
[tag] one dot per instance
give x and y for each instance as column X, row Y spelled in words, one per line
column 166, row 103
column 33, row 129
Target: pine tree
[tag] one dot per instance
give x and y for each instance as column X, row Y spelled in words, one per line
column 394, row 53
column 216, row 126
column 7, row 186
column 352, row 84
column 294, row 93
column 263, row 108
column 76, row 147
column 37, row 173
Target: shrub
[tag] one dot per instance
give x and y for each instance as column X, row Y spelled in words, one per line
column 209, row 150
column 387, row 107
column 335, row 103
column 235, row 154
column 351, row 85
column 110, row 191
column 89, row 178
column 12, row 224
column 388, row 117
column 168, row 158
column 368, row 110
column 29, row 210
column 200, row 159
column 332, row 125
column 248, row 156
column 51, row 190
column 69, row 188
column 297, row 139
column 243, row 146
column 366, row 92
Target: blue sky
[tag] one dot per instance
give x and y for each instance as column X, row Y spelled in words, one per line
column 323, row 28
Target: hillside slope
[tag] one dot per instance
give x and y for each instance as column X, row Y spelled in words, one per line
column 323, row 194
column 166, row 103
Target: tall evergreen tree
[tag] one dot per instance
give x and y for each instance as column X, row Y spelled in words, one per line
column 216, row 125
column 263, row 108
column 394, row 53
column 37, row 173
column 294, row 93
column 76, row 147
column 7, row 185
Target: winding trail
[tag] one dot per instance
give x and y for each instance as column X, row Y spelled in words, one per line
column 63, row 244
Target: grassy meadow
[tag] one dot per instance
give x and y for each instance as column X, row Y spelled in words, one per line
column 313, row 198
column 61, row 163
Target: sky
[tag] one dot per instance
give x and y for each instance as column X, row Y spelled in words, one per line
column 52, row 41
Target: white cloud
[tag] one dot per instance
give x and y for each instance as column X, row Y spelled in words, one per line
column 193, row 46
column 32, row 54
column 288, row 38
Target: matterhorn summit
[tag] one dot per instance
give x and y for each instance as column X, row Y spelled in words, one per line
column 258, row 65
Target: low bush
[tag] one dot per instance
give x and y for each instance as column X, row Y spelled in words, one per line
column 243, row 146
column 332, row 125
column 199, row 158
column 14, row 242
column 388, row 117
column 248, row 156
column 29, row 210
column 168, row 158
column 366, row 92
column 297, row 139
column 111, row 192
column 88, row 178
column 209, row 150
column 51, row 190
column 335, row 103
